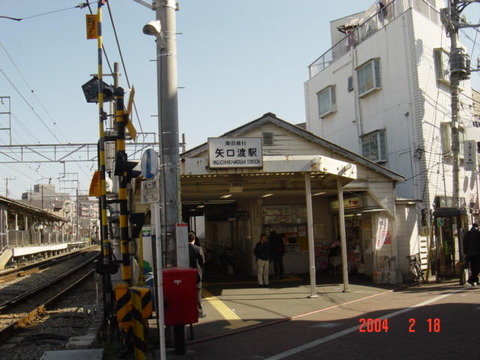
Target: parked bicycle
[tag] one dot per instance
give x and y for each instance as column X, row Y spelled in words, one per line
column 416, row 268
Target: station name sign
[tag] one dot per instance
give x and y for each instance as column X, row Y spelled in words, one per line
column 235, row 152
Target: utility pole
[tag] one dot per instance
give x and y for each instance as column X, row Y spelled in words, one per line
column 6, row 184
column 454, row 83
column 459, row 70
column 105, row 268
column 168, row 124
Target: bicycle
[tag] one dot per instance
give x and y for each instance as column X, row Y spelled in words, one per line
column 416, row 268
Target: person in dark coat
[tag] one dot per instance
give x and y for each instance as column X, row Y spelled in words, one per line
column 197, row 240
column 262, row 256
column 277, row 248
column 471, row 249
column 196, row 261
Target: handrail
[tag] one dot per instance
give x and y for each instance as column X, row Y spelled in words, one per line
column 366, row 28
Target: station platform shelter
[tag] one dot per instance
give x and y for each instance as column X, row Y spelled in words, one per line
column 27, row 232
column 269, row 174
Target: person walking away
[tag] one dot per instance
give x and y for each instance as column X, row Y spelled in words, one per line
column 334, row 256
column 471, row 249
column 277, row 247
column 196, row 261
column 262, row 257
column 197, row 240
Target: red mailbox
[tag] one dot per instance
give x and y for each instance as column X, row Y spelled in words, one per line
column 180, row 296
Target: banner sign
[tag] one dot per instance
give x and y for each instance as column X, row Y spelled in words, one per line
column 470, row 154
column 382, row 230
column 92, row 26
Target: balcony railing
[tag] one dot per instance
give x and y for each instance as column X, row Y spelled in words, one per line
column 373, row 20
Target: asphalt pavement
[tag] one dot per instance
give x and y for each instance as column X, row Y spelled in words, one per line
column 244, row 321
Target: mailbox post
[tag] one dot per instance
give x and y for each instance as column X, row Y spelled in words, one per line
column 180, row 302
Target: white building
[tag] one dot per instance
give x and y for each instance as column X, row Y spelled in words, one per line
column 239, row 202
column 383, row 91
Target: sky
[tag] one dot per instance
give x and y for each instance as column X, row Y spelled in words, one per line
column 237, row 60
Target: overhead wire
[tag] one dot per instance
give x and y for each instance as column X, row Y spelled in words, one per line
column 123, row 62
column 47, row 13
column 32, row 91
column 87, row 4
column 81, row 5
column 29, row 105
column 20, row 172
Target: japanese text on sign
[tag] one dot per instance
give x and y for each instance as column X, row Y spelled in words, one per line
column 235, row 152
column 149, row 191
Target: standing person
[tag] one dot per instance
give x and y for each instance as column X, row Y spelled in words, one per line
column 334, row 256
column 262, row 257
column 471, row 249
column 277, row 247
column 197, row 240
column 196, row 259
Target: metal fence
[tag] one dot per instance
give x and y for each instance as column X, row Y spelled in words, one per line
column 19, row 238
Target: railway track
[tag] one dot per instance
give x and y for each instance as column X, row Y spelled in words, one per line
column 27, row 269
column 21, row 303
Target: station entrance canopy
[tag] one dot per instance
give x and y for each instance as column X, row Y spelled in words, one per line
column 280, row 175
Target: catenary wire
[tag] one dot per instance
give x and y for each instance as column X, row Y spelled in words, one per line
column 29, row 105
column 123, row 62
column 32, row 91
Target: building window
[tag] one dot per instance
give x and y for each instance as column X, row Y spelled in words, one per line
column 441, row 59
column 327, row 102
column 267, row 138
column 446, row 136
column 368, row 76
column 350, row 83
column 374, row 146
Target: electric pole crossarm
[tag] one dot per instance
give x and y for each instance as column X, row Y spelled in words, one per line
column 49, row 159
column 71, row 152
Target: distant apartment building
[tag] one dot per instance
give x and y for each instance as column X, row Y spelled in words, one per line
column 45, row 197
column 383, row 91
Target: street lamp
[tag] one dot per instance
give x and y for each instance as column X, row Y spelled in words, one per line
column 167, row 215
column 153, row 27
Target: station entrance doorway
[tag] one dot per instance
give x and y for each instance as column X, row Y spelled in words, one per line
column 446, row 251
column 223, row 234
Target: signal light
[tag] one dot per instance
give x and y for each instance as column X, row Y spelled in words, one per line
column 122, row 166
column 136, row 221
column 90, row 90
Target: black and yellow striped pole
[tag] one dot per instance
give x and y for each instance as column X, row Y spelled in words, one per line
column 123, row 309
column 121, row 170
column 141, row 311
column 106, row 246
